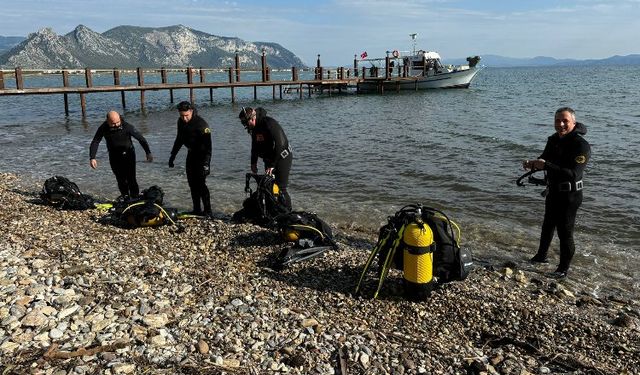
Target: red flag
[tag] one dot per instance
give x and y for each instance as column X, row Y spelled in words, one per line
column 363, row 55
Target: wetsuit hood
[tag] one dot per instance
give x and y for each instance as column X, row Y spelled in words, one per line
column 580, row 128
column 261, row 113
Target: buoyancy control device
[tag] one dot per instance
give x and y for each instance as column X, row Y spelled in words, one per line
column 305, row 234
column 146, row 210
column 422, row 242
column 263, row 204
column 62, row 193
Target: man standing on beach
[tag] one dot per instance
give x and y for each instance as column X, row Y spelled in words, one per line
column 122, row 156
column 269, row 142
column 194, row 132
column 564, row 158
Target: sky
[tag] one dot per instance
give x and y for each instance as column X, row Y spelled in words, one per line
column 340, row 29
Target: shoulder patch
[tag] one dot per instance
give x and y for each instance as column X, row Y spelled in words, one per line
column 206, row 131
column 581, row 159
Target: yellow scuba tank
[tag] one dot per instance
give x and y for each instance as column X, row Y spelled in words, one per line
column 418, row 247
column 276, row 189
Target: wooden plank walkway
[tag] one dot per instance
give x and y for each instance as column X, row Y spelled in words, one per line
column 324, row 80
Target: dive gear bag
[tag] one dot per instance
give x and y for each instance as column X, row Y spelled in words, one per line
column 424, row 243
column 262, row 204
column 62, row 193
column 306, row 234
column 146, row 210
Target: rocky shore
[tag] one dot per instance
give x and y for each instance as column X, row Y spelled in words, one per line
column 78, row 296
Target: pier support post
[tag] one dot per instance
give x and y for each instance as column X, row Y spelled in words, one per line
column 116, row 81
column 318, row 68
column 19, row 79
column 1, row 80
column 387, row 71
column 83, row 104
column 237, row 61
column 87, row 77
column 263, row 60
column 164, row 79
column 190, row 82
column 355, row 65
column 140, row 74
column 233, row 92
column 65, row 83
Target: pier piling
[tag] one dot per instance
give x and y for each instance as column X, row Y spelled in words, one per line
column 322, row 80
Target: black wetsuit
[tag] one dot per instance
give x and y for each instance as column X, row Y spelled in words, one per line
column 196, row 136
column 269, row 142
column 122, row 156
column 565, row 161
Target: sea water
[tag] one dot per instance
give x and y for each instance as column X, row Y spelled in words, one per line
column 359, row 158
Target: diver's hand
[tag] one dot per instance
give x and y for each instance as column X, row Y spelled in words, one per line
column 149, row 157
column 269, row 171
column 535, row 165
column 171, row 160
column 93, row 163
column 538, row 164
column 205, row 170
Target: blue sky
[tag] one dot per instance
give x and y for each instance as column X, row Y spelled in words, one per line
column 338, row 29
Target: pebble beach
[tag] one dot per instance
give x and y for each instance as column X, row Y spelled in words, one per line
column 81, row 296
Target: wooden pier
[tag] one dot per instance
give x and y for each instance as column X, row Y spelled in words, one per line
column 324, row 80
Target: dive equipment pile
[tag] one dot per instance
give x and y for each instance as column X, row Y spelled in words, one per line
column 146, row 210
column 422, row 242
column 263, row 204
column 62, row 193
column 306, row 235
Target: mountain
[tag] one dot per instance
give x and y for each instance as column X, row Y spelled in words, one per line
column 541, row 61
column 8, row 42
column 132, row 46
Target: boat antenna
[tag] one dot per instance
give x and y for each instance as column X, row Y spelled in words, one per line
column 413, row 38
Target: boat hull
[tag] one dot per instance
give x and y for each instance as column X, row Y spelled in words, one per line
column 455, row 79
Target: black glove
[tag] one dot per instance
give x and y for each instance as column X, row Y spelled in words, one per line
column 171, row 159
column 205, row 170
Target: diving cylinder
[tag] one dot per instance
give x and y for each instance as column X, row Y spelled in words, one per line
column 418, row 247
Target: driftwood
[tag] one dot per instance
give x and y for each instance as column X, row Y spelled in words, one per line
column 54, row 353
column 342, row 358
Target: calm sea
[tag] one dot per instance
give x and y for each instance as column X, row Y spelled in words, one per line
column 358, row 158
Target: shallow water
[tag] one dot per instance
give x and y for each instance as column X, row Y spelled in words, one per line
column 358, row 158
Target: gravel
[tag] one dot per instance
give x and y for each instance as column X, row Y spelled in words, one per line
column 81, row 296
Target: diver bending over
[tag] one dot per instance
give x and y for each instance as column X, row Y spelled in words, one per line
column 269, row 142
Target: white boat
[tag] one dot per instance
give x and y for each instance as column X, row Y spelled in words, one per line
column 415, row 71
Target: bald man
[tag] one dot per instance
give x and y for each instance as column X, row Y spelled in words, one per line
column 122, row 156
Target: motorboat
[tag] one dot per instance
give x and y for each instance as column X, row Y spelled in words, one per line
column 414, row 70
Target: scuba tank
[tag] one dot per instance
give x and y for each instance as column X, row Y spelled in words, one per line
column 417, row 264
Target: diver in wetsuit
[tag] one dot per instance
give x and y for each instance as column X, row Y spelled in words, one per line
column 195, row 134
column 122, row 156
column 564, row 158
column 269, row 142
